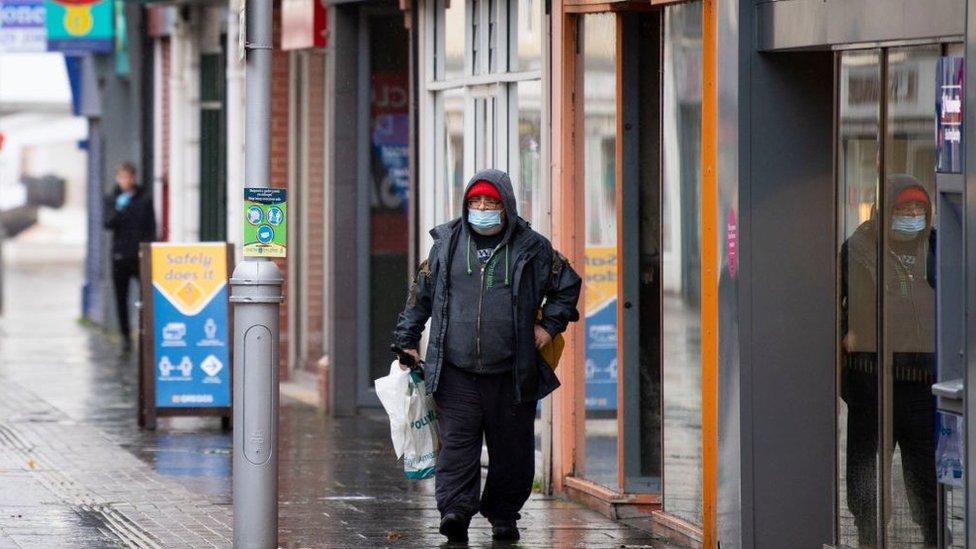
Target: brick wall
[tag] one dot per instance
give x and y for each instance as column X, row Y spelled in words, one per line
column 314, row 293
column 279, row 160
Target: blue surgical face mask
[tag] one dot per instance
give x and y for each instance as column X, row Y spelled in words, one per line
column 486, row 222
column 908, row 225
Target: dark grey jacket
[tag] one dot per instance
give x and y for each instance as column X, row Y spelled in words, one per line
column 538, row 273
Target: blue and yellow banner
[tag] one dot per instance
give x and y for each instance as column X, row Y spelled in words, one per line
column 191, row 354
column 600, row 293
column 80, row 26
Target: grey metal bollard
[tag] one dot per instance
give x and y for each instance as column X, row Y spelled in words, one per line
column 256, row 297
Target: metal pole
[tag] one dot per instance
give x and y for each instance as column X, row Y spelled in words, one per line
column 256, row 297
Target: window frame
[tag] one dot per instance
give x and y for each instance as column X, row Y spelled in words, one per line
column 479, row 81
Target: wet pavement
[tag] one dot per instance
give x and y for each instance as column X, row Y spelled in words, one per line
column 75, row 471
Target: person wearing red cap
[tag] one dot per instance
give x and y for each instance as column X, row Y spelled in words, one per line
column 906, row 264
column 495, row 292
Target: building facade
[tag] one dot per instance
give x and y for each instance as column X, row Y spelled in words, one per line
column 711, row 168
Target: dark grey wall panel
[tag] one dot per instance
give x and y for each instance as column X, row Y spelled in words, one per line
column 343, row 276
column 790, row 249
column 792, row 24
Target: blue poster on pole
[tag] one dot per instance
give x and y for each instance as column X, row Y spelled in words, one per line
column 191, row 354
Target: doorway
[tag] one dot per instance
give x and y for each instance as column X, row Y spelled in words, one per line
column 640, row 75
column 887, row 492
column 384, row 174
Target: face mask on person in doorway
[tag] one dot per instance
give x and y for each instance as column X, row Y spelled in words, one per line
column 906, row 227
column 485, row 222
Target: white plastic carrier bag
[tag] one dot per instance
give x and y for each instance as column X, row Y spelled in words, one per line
column 413, row 420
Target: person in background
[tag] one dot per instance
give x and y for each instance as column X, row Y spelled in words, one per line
column 130, row 217
column 496, row 293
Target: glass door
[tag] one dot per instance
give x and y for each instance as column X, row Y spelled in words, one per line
column 888, row 495
column 640, row 164
column 599, row 61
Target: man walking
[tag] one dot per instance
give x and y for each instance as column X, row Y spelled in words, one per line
column 486, row 279
column 130, row 217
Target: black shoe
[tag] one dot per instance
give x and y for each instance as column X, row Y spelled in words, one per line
column 454, row 527
column 505, row 531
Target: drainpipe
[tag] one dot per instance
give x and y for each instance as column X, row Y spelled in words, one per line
column 191, row 126
column 235, row 129
column 176, row 128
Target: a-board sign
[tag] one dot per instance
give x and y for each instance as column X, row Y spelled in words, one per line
column 265, row 222
column 186, row 350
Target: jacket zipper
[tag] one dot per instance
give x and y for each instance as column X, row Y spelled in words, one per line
column 481, row 301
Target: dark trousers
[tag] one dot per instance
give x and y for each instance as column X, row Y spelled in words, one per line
column 123, row 270
column 473, row 407
column 913, row 423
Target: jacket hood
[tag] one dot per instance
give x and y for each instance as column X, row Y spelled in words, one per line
column 503, row 183
column 864, row 242
column 895, row 184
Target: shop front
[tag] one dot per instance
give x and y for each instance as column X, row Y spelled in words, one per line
column 629, row 142
column 843, row 329
column 367, row 200
column 763, row 322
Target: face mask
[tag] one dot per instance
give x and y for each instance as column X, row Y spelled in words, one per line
column 486, row 222
column 908, row 225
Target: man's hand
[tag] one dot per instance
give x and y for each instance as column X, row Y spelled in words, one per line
column 849, row 342
column 542, row 337
column 416, row 357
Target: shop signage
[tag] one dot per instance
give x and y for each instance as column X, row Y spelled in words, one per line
column 80, row 26
column 22, row 27
column 600, row 276
column 265, row 222
column 949, row 115
column 303, row 24
column 191, row 355
column 732, row 242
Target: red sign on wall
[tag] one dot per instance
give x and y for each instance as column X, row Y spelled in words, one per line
column 303, row 24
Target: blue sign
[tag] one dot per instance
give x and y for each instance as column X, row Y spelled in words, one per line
column 191, row 354
column 22, row 26
column 275, row 215
column 601, row 358
column 255, row 215
column 265, row 234
column 949, row 114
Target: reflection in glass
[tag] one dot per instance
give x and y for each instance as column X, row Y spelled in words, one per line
column 389, row 178
column 600, row 271
column 887, row 248
column 453, row 148
column 857, row 180
column 526, row 36
column 681, row 263
column 533, row 196
column 909, row 299
column 454, row 36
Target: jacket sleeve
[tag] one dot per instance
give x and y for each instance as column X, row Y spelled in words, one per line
column 149, row 215
column 111, row 216
column 562, row 296
column 844, row 289
column 412, row 320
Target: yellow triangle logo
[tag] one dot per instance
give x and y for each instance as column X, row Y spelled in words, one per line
column 189, row 275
